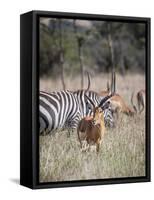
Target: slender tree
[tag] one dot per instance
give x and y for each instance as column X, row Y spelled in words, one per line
column 121, row 62
column 61, row 54
column 80, row 41
column 111, row 50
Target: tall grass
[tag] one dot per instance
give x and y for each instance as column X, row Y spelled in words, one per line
column 122, row 153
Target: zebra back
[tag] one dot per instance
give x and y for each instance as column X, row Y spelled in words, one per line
column 66, row 109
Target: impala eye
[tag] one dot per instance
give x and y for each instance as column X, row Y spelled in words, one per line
column 94, row 122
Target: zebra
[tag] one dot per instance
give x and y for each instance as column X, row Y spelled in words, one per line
column 57, row 109
column 63, row 109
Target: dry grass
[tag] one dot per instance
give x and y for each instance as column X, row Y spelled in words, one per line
column 122, row 152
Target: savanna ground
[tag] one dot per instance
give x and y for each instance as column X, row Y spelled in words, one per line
column 122, row 153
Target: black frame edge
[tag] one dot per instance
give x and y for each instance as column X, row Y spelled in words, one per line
column 26, row 176
column 148, row 99
column 89, row 16
column 92, row 182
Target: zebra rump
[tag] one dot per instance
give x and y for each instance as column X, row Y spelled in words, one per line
column 57, row 109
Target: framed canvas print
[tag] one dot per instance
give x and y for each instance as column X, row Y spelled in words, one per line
column 85, row 99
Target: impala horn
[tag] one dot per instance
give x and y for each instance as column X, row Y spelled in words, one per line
column 113, row 83
column 88, row 76
column 134, row 107
column 92, row 103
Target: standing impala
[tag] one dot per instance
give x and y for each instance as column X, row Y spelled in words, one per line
column 140, row 97
column 141, row 100
column 91, row 129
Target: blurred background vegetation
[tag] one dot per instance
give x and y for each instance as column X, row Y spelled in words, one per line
column 69, row 47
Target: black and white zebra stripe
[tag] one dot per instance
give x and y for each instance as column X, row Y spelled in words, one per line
column 108, row 112
column 57, row 109
column 65, row 108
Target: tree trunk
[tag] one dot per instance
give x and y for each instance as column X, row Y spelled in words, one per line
column 61, row 56
column 110, row 43
column 81, row 66
column 111, row 50
column 122, row 66
column 79, row 46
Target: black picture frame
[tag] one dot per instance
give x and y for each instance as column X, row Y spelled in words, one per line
column 29, row 88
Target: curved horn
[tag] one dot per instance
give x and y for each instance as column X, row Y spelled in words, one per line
column 104, row 100
column 88, row 76
column 134, row 107
column 107, row 86
column 113, row 82
column 90, row 100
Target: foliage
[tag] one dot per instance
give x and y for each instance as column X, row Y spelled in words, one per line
column 128, row 45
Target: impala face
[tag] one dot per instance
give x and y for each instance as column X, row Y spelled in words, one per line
column 98, row 115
